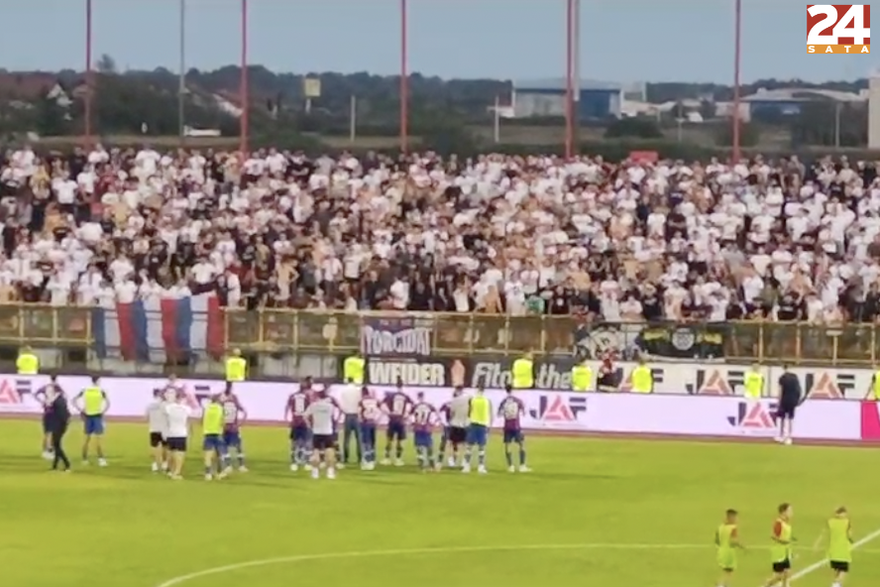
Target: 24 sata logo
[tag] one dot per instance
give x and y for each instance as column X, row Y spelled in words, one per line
column 838, row 29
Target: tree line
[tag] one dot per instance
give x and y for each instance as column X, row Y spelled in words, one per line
column 442, row 111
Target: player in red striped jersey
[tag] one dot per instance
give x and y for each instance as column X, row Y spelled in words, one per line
column 511, row 410
column 234, row 415
column 295, row 413
column 397, row 405
column 369, row 413
column 424, row 416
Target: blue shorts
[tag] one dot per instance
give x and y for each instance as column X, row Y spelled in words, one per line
column 396, row 430
column 232, row 439
column 213, row 442
column 513, row 436
column 423, row 439
column 300, row 433
column 477, row 434
column 368, row 434
column 93, row 425
column 46, row 421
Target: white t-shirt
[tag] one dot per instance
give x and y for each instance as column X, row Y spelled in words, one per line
column 321, row 412
column 178, row 420
column 157, row 418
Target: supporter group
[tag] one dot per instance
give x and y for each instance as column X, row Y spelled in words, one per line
column 623, row 241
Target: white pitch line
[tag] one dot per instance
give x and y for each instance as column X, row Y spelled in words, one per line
column 819, row 564
column 464, row 549
column 414, row 551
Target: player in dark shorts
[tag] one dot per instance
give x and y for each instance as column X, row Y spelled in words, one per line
column 397, row 405
column 790, row 397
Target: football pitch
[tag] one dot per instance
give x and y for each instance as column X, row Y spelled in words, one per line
column 592, row 512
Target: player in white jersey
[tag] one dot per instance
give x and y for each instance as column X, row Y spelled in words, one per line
column 178, row 414
column 321, row 414
column 157, row 420
column 459, row 420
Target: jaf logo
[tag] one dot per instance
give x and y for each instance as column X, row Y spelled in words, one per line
column 716, row 382
column 14, row 394
column 843, row 29
column 557, row 409
column 754, row 416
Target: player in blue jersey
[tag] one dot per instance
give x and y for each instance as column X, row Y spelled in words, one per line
column 511, row 411
column 397, row 405
column 424, row 415
column 369, row 412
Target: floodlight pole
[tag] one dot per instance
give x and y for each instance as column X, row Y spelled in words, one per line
column 737, row 57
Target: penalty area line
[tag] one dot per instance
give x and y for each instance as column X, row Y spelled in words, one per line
column 175, row 581
column 415, row 552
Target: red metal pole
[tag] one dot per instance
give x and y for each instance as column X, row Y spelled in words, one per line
column 243, row 90
column 569, row 82
column 404, row 79
column 736, row 80
column 90, row 82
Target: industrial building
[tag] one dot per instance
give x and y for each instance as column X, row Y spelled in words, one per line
column 593, row 100
column 789, row 101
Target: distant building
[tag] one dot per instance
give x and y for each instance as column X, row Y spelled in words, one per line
column 593, row 101
column 789, row 101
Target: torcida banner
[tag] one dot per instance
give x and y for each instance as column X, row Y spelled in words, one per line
column 703, row 415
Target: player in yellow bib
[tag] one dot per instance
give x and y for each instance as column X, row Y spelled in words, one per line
column 780, row 549
column 212, row 442
column 727, row 541
column 839, row 555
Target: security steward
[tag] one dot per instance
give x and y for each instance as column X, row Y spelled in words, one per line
column 353, row 369
column 236, row 368
column 523, row 372
column 27, row 362
column 57, row 421
column 874, row 390
column 581, row 377
column 642, row 378
column 753, row 383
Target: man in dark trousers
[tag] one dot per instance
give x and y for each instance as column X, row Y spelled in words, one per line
column 57, row 420
column 789, row 400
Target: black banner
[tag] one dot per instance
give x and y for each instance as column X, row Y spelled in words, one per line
column 671, row 340
column 396, row 336
column 427, row 372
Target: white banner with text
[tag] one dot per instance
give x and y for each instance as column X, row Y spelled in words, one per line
column 698, row 415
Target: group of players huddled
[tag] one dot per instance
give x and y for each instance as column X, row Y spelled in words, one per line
column 314, row 418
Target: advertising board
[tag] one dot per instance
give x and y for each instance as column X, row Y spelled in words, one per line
column 544, row 409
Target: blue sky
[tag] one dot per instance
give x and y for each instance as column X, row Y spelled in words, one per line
column 622, row 40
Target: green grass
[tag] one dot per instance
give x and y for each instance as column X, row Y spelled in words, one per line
column 125, row 526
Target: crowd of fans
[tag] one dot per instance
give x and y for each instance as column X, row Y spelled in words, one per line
column 625, row 241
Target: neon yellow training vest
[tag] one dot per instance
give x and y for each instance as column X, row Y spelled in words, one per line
column 353, row 370
column 724, row 540
column 754, row 384
column 93, row 401
column 581, row 377
column 212, row 419
column 876, row 386
column 27, row 364
column 839, row 545
column 780, row 552
column 236, row 369
column 523, row 374
column 642, row 379
column 481, row 412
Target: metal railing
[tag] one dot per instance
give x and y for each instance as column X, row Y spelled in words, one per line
column 457, row 334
